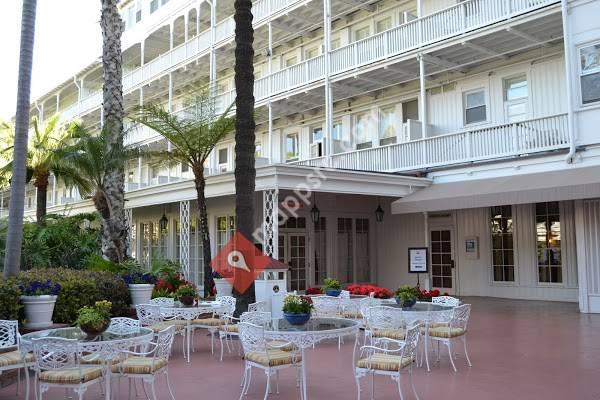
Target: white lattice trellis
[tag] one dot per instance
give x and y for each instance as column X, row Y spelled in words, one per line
column 271, row 223
column 129, row 225
column 184, row 238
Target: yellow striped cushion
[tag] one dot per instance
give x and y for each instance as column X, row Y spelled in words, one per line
column 164, row 325
column 71, row 376
column 384, row 362
column 93, row 359
column 14, row 358
column 352, row 315
column 274, row 358
column 208, row 322
column 231, row 328
column 397, row 334
column 177, row 322
column 139, row 365
column 281, row 345
column 446, row 332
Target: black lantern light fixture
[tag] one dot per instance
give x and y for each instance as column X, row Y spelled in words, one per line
column 163, row 222
column 379, row 213
column 315, row 213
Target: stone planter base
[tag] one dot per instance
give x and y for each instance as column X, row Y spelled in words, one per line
column 38, row 311
column 141, row 293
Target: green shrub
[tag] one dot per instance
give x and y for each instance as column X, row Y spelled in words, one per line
column 9, row 299
column 80, row 288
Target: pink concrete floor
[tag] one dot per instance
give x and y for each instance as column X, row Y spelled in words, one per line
column 519, row 350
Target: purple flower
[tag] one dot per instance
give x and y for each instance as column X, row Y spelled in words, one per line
column 39, row 288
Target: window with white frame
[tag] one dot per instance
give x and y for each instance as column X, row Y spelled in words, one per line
column 311, row 53
column 548, row 239
column 222, row 159
column 336, row 44
column 363, row 270
column 362, row 131
column 258, row 150
column 337, row 133
column 316, row 142
column 388, row 123
column 515, row 98
column 292, row 152
column 589, row 57
column 290, row 61
column 503, row 260
column 196, row 260
column 362, row 33
column 383, row 25
column 225, row 230
column 153, row 5
column 475, row 108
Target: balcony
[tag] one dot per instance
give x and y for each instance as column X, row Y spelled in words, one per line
column 495, row 142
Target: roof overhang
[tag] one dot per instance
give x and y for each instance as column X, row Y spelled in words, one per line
column 565, row 184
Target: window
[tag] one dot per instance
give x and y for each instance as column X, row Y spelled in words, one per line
column 362, row 33
column 474, row 106
column 337, row 133
column 590, row 73
column 184, row 168
column 311, row 53
column 225, row 230
column 222, row 158
column 345, row 245
column 335, row 44
column 138, row 15
column 153, row 6
column 515, row 98
column 547, row 222
column 363, row 270
column 258, row 149
column 383, row 25
column 292, row 152
column 129, row 17
column 195, row 256
column 503, row 263
column 362, row 131
column 291, row 61
column 163, row 2
column 316, row 142
column 387, row 125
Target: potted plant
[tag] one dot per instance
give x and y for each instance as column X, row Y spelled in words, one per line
column 140, row 286
column 222, row 285
column 96, row 319
column 296, row 309
column 332, row 287
column 186, row 294
column 406, row 296
column 39, row 298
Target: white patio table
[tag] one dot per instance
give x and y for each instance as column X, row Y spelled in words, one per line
column 313, row 332
column 105, row 346
column 189, row 313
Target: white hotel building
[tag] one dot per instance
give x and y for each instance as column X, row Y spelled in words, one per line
column 472, row 123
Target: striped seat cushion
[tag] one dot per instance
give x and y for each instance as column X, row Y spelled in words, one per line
column 165, row 324
column 230, row 328
column 14, row 358
column 139, row 365
column 352, row 315
column 71, row 376
column 208, row 322
column 273, row 357
column 445, row 332
column 397, row 334
column 384, row 362
column 177, row 322
column 93, row 359
column 281, row 345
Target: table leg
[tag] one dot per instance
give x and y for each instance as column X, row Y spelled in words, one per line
column 303, row 376
column 107, row 384
column 188, row 338
column 427, row 345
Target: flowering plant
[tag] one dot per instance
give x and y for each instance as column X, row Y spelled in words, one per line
column 40, row 288
column 137, row 278
column 427, row 295
column 330, row 283
column 187, row 290
column 96, row 316
column 294, row 304
column 406, row 292
column 366, row 290
column 313, row 290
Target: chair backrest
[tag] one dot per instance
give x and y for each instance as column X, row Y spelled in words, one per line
column 123, row 325
column 9, row 333
column 164, row 342
column 163, row 301
column 258, row 306
column 55, row 353
column 460, row 316
column 344, row 294
column 227, row 305
column 148, row 314
column 367, row 303
column 384, row 317
column 326, row 306
column 252, row 337
column 446, row 301
column 260, row 318
column 411, row 340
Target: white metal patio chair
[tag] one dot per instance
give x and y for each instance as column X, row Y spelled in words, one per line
column 146, row 365
column 259, row 353
column 328, row 307
column 163, row 301
column 149, row 316
column 258, row 306
column 344, row 294
column 446, row 301
column 11, row 357
column 58, row 364
column 385, row 322
column 123, row 325
column 231, row 327
column 391, row 358
column 216, row 321
column 456, row 329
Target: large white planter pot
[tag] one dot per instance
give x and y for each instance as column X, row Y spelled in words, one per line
column 223, row 287
column 38, row 310
column 141, row 293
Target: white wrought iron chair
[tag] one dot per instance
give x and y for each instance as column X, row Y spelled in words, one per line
column 328, row 307
column 259, row 353
column 344, row 294
column 258, row 306
column 146, row 365
column 123, row 325
column 11, row 357
column 231, row 327
column 446, row 301
column 456, row 329
column 58, row 364
column 149, row 316
column 223, row 313
column 391, row 359
column 385, row 322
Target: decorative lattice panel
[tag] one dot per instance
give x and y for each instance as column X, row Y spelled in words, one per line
column 129, row 225
column 271, row 223
column 184, row 252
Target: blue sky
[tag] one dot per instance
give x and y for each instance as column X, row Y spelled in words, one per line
column 67, row 38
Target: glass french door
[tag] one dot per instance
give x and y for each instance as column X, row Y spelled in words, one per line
column 292, row 251
column 442, row 260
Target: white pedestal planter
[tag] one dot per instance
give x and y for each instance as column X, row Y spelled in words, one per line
column 223, row 287
column 38, row 310
column 141, row 293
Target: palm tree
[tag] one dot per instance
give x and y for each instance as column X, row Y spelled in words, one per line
column 17, row 187
column 114, row 227
column 245, row 172
column 42, row 156
column 193, row 135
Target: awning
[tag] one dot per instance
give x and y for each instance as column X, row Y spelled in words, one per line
column 566, row 184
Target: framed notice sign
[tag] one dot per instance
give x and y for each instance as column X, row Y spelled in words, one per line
column 417, row 260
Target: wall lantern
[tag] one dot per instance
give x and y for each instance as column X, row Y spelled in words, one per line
column 315, row 213
column 379, row 213
column 163, row 222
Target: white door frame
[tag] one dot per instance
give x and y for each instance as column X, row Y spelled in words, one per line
column 442, row 227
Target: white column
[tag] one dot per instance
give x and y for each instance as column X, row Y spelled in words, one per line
column 270, row 106
column 423, row 103
column 53, row 189
column 198, row 19
column 270, row 135
column 213, row 38
column 142, row 53
column 1, row 203
column 101, row 116
column 271, row 223
column 184, row 238
column 139, row 172
column 328, row 89
column 57, row 101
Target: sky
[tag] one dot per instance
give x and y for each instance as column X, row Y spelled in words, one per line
column 67, row 38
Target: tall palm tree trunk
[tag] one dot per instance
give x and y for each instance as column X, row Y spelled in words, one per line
column 200, row 183
column 245, row 173
column 41, row 184
column 14, row 238
column 114, row 228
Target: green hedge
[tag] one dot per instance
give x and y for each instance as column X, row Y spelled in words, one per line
column 81, row 288
column 9, row 299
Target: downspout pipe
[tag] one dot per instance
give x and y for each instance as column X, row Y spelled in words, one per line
column 570, row 118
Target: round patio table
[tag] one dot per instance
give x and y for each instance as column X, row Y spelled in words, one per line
column 189, row 313
column 427, row 313
column 105, row 346
column 309, row 334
